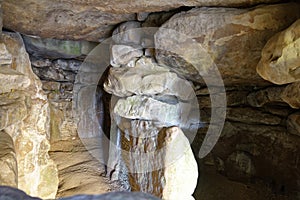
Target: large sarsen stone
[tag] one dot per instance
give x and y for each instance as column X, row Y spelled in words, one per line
column 230, row 38
column 280, row 62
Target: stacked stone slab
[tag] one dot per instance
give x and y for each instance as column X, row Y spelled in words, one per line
column 149, row 97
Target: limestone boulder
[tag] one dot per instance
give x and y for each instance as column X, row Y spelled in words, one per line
column 81, row 20
column 147, row 108
column 181, row 170
column 37, row 173
column 291, row 95
column 232, row 39
column 61, row 20
column 8, row 161
column 123, row 54
column 280, row 57
column 147, row 78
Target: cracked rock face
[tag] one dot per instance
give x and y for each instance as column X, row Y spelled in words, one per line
column 230, row 38
column 149, row 79
column 280, row 62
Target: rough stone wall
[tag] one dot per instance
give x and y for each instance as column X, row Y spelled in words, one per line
column 58, row 77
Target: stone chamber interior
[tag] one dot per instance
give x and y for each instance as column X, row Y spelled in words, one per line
column 130, row 96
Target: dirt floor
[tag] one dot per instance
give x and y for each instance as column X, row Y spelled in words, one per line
column 213, row 186
column 79, row 172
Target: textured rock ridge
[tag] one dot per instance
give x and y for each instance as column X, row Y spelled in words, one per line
column 8, row 161
column 281, row 57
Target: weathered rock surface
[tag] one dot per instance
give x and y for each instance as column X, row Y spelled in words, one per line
column 126, row 33
column 8, row 161
column 181, row 170
column 61, row 20
column 246, row 115
column 54, row 49
column 230, row 38
column 17, row 80
column 291, row 95
column 123, row 54
column 293, row 123
column 79, row 172
column 118, row 6
column 146, row 108
column 5, row 56
column 141, row 155
column 280, row 58
column 12, row 113
column 262, row 97
column 159, row 160
column 81, row 20
column 37, row 174
column 147, row 78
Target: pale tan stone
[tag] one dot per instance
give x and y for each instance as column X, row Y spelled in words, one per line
column 12, row 80
column 31, row 134
column 280, row 61
column 147, row 78
column 8, row 161
column 181, row 170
